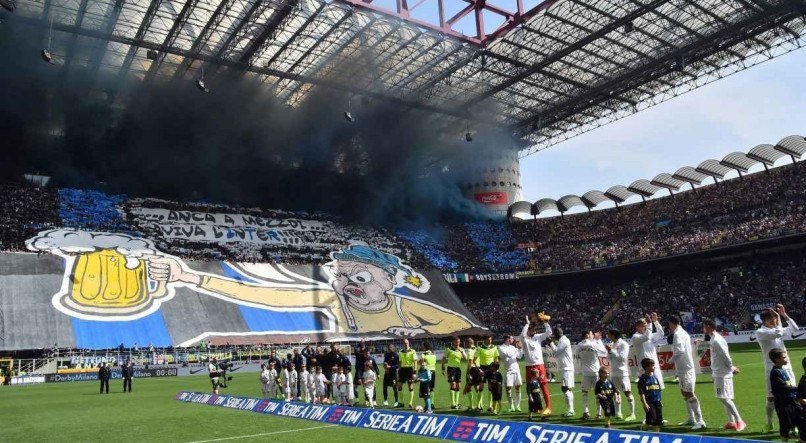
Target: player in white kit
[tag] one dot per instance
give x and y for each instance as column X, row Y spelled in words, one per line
column 590, row 349
column 310, row 388
column 618, row 351
column 302, row 380
column 684, row 369
column 293, row 379
column 339, row 383
column 509, row 353
column 264, row 379
column 771, row 335
column 532, row 336
column 320, row 385
column 565, row 366
column 285, row 382
column 271, row 384
column 648, row 332
column 369, row 378
column 722, row 371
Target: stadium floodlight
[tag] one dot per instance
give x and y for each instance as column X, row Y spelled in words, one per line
column 348, row 115
column 200, row 82
column 8, row 5
column 46, row 54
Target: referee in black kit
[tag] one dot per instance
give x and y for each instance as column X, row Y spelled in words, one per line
column 104, row 374
column 128, row 373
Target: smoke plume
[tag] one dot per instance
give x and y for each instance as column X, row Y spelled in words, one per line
column 236, row 144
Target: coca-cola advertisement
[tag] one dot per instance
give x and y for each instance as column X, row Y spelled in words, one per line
column 491, row 198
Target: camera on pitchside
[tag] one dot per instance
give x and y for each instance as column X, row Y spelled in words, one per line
column 223, row 367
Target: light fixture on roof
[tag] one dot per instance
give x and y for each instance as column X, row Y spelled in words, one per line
column 47, row 56
column 200, row 82
column 347, row 114
column 628, row 27
column 151, row 54
column 8, row 5
column 468, row 134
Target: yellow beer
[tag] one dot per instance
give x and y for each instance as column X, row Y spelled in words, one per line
column 102, row 281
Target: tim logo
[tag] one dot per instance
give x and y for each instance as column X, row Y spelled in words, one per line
column 345, row 416
column 469, row 430
column 464, row 429
column 336, row 415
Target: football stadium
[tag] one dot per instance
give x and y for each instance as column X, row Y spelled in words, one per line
column 543, row 221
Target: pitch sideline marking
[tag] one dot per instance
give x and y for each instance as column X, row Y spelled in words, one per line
column 263, row 434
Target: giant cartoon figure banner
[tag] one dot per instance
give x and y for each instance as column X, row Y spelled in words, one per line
column 114, row 289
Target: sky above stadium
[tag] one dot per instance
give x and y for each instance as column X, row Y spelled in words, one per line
column 760, row 105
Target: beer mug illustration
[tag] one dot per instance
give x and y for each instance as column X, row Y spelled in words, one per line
column 108, row 282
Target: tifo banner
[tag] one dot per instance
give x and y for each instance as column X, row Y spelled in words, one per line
column 224, row 227
column 444, row 427
column 111, row 289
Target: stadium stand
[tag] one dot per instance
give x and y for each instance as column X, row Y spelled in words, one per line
column 755, row 206
column 23, row 212
column 724, row 291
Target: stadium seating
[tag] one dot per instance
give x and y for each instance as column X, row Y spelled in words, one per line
column 724, row 292
column 756, row 206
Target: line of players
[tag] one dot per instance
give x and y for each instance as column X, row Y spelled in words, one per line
column 481, row 368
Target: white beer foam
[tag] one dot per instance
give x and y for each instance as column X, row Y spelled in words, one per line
column 68, row 240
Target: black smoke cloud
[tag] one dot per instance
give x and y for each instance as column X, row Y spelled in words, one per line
column 237, row 144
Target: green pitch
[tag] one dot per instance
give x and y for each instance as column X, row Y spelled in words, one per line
column 76, row 412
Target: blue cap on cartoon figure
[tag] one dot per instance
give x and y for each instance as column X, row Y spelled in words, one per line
column 365, row 254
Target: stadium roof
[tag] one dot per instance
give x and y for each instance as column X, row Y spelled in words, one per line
column 547, row 72
column 793, row 146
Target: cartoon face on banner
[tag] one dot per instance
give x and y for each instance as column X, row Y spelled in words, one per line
column 112, row 277
column 364, row 276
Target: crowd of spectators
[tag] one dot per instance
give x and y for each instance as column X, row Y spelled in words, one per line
column 497, row 245
column 24, row 211
column 87, row 209
column 431, row 249
column 726, row 294
column 755, row 206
